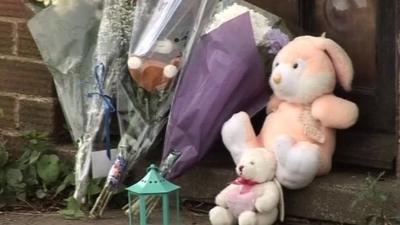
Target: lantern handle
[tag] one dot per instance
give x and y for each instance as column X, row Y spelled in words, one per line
column 152, row 167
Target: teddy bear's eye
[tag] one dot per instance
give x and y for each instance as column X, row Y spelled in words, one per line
column 276, row 64
column 251, row 163
column 295, row 65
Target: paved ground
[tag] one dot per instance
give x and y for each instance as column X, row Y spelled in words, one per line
column 114, row 217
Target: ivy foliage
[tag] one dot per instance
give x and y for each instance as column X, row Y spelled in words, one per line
column 37, row 174
column 377, row 200
column 40, row 175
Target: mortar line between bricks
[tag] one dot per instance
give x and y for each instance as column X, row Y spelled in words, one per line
column 16, row 113
column 15, row 39
column 12, row 19
column 29, row 97
column 21, row 59
column 11, row 133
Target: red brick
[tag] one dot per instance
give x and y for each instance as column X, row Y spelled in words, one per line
column 25, row 78
column 7, row 114
column 6, row 38
column 26, row 45
column 43, row 117
column 14, row 144
column 12, row 8
column 37, row 116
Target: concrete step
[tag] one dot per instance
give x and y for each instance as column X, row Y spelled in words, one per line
column 328, row 198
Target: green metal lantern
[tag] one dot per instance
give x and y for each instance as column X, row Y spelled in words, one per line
column 153, row 184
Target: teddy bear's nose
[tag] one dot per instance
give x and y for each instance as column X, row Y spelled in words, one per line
column 277, row 78
column 241, row 168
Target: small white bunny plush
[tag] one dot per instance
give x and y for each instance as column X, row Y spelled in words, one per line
column 254, row 197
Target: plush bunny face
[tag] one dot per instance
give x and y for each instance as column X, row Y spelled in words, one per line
column 257, row 165
column 164, row 47
column 307, row 68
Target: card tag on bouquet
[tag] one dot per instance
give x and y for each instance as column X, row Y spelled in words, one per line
column 101, row 164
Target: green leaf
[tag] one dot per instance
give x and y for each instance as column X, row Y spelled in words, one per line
column 21, row 195
column 382, row 197
column 37, row 142
column 34, row 157
column 13, row 177
column 3, row 158
column 72, row 214
column 68, row 180
column 3, row 179
column 372, row 220
column 93, row 189
column 72, row 203
column 30, row 175
column 8, row 195
column 73, row 211
column 40, row 194
column 48, row 168
column 24, row 159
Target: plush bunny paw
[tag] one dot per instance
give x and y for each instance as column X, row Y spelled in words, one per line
column 170, row 71
column 221, row 200
column 268, row 218
column 298, row 165
column 248, row 218
column 134, row 63
column 269, row 200
column 220, row 216
column 283, row 144
column 263, row 204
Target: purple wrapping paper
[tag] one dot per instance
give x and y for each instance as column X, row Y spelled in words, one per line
column 225, row 75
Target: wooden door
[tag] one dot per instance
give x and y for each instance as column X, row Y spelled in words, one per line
column 366, row 30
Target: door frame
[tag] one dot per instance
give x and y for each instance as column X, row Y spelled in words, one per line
column 382, row 145
column 397, row 49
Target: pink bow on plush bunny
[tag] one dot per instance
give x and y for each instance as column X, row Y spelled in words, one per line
column 303, row 112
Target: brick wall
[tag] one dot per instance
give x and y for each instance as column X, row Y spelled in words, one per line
column 27, row 94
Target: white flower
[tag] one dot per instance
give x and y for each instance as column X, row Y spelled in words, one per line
column 259, row 22
column 47, row 2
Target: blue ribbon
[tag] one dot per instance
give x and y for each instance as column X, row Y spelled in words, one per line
column 107, row 103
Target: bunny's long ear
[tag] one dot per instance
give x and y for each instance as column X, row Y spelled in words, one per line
column 340, row 60
column 238, row 135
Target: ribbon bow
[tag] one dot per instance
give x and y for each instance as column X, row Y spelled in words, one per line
column 107, row 103
column 246, row 185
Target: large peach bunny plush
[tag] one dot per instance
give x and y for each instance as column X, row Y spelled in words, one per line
column 303, row 112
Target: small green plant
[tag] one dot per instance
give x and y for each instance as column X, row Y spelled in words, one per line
column 377, row 199
column 73, row 210
column 37, row 173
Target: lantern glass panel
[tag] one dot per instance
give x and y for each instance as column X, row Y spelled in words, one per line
column 164, row 208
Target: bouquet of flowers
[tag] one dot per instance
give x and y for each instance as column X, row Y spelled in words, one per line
column 225, row 74
column 67, row 42
column 109, row 63
column 163, row 34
